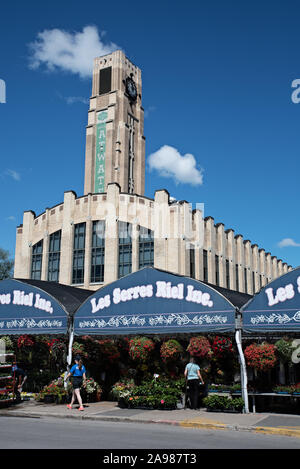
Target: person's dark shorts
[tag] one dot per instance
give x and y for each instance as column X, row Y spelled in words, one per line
column 77, row 382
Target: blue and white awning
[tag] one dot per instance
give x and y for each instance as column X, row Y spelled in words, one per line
column 276, row 307
column 153, row 301
column 27, row 309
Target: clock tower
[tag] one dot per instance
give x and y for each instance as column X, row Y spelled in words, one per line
column 115, row 142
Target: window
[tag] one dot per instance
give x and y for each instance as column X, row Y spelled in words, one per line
column 98, row 251
column 217, row 269
column 245, row 279
column 237, row 284
column 36, row 261
column 253, row 281
column 227, row 274
column 205, row 266
column 192, row 261
column 125, row 249
column 78, row 253
column 54, row 256
column 105, row 80
column 146, row 247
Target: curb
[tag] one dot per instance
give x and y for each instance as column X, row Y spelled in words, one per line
column 185, row 424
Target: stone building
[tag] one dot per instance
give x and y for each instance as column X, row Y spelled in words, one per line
column 114, row 229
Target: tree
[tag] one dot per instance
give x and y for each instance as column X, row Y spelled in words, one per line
column 6, row 265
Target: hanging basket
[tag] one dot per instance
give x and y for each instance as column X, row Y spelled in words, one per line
column 140, row 348
column 170, row 350
column 262, row 357
column 199, row 347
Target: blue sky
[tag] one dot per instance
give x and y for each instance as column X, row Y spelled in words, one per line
column 216, row 85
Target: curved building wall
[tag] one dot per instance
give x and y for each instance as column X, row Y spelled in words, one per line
column 183, row 243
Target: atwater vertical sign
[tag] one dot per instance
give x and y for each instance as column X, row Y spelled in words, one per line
column 100, row 152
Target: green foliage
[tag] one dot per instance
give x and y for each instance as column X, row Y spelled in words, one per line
column 223, row 403
column 6, row 265
column 284, row 349
column 160, row 393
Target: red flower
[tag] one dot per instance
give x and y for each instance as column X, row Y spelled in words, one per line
column 260, row 356
column 199, row 347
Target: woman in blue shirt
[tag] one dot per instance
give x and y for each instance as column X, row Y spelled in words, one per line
column 78, row 372
column 194, row 378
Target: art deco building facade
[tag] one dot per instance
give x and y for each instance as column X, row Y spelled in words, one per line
column 113, row 229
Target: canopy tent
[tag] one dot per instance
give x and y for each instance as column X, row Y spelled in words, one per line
column 276, row 307
column 154, row 301
column 37, row 307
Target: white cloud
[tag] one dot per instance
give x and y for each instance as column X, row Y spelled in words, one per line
column 11, row 218
column 171, row 164
column 288, row 242
column 72, row 52
column 13, row 174
column 76, row 99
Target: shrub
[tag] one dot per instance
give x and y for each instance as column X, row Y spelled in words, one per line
column 223, row 403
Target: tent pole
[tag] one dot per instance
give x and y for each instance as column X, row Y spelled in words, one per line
column 238, row 339
column 69, row 357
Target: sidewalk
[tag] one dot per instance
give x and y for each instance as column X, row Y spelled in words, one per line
column 279, row 424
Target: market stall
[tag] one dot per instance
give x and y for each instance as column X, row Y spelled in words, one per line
column 276, row 307
column 37, row 307
column 154, row 302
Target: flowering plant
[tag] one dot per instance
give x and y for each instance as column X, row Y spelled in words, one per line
column 91, row 386
column 170, row 350
column 222, row 346
column 260, row 356
column 199, row 347
column 79, row 349
column 122, row 388
column 140, row 348
column 25, row 341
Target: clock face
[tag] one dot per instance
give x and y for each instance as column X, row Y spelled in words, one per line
column 131, row 89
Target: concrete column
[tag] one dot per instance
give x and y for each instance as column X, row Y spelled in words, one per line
column 67, row 241
column 135, row 247
column 221, row 250
column 248, row 265
column 112, row 234
column 88, row 250
column 274, row 267
column 280, row 268
column 240, row 260
column 255, row 267
column 268, row 267
column 210, row 237
column 262, row 267
column 198, row 229
column 24, row 247
column 231, row 254
column 45, row 262
column 161, row 229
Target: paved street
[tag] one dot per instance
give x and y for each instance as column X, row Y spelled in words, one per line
column 56, row 433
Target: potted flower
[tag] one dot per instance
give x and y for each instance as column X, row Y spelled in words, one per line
column 199, row 347
column 283, row 389
column 93, row 390
column 79, row 349
column 170, row 350
column 140, row 348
